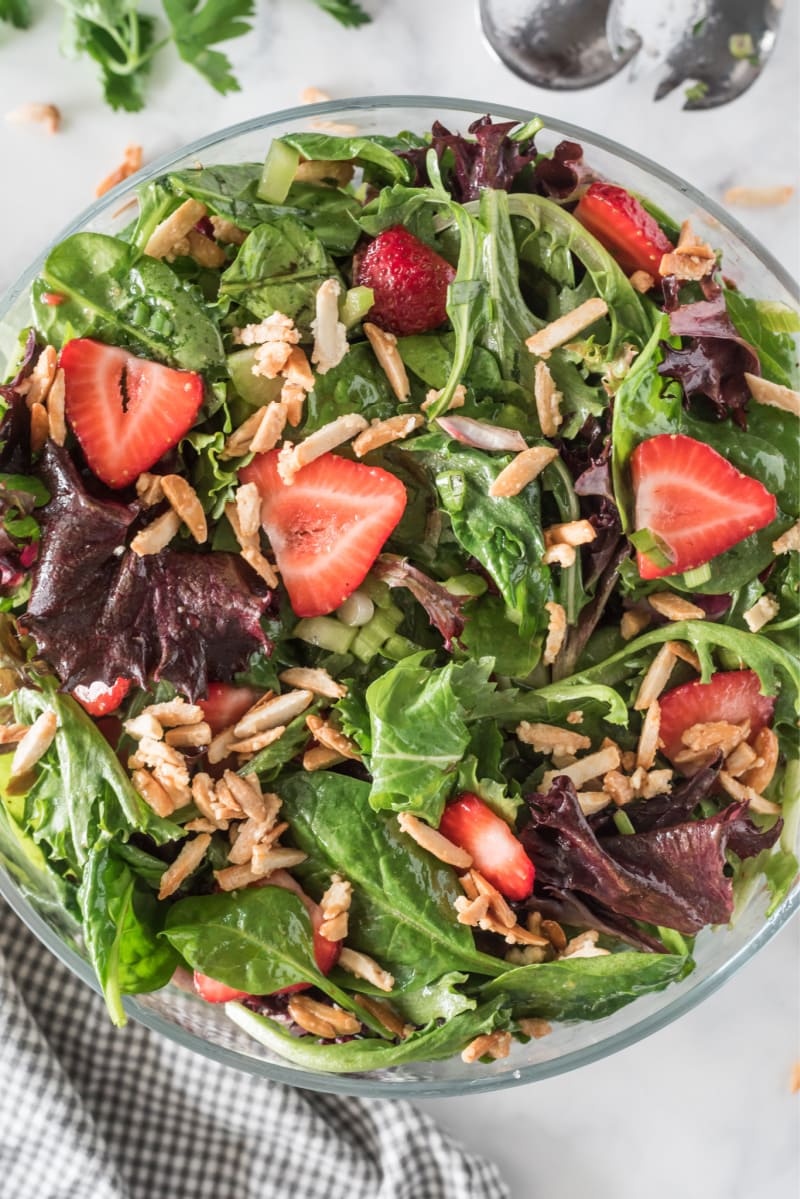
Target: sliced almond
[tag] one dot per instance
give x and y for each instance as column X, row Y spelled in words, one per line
column 433, row 841
column 183, row 500
column 548, row 400
column 327, row 735
column 384, row 346
column 566, row 327
column 131, row 163
column 547, row 738
column 633, row 622
column 56, row 418
column 47, row 115
column 774, row 395
column 674, row 607
column 191, row 736
column 456, row 400
column 226, row 231
column 35, row 743
column 593, row 766
column 493, row 1044
column 157, row 535
column 556, row 632
column 317, row 681
column 648, row 738
column 276, row 327
column 765, row 744
column 173, row 713
column 642, row 282
column 363, row 966
column 573, row 532
column 186, row 863
column 656, row 678
column 41, row 377
column 522, row 470
column 790, row 540
column 277, row 711
column 174, row 228
column 330, row 334
column 320, row 757
column 758, row 197
column 762, row 612
column 382, row 432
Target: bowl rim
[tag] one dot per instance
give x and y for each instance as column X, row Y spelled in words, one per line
column 363, row 1084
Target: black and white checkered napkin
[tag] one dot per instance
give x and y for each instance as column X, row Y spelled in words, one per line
column 92, row 1112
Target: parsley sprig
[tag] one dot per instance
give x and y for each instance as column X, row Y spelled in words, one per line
column 123, row 40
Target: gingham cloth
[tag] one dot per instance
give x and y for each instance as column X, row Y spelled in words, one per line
column 92, row 1112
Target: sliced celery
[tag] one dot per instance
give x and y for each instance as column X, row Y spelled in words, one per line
column 327, row 633
column 355, row 304
column 371, row 637
column 280, row 167
column 254, row 389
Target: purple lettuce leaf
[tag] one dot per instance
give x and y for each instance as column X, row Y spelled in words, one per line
column 560, row 177
column 444, row 610
column 15, row 426
column 672, row 876
column 714, row 362
column 493, row 159
column 98, row 611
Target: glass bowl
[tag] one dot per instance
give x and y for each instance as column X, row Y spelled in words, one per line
column 190, row 1021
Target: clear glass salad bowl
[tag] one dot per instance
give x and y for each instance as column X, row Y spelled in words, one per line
column 177, row 1013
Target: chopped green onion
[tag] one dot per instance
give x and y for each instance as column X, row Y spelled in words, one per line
column 698, row 576
column 623, row 822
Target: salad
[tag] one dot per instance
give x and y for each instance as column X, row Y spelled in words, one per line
column 399, row 560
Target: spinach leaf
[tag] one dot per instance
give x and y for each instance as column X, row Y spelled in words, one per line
column 504, row 534
column 257, row 940
column 141, row 304
column 439, row 1000
column 402, row 911
column 585, row 988
column 121, row 923
column 377, row 155
column 279, row 268
column 777, row 351
column 38, row 880
column 430, row 357
column 489, row 632
column 357, row 384
column 357, row 1056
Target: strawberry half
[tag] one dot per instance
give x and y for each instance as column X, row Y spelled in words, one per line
column 225, row 704
column 624, row 227
column 98, row 699
column 409, row 281
column 328, row 527
column 732, row 696
column 691, row 498
column 125, row 411
column 494, row 849
column 214, row 992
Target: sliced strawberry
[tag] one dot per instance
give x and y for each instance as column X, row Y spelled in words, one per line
column 99, row 699
column 125, row 411
column 225, row 704
column 624, row 227
column 214, row 992
column 494, row 849
column 732, row 696
column 691, row 498
column 409, row 281
column 326, row 528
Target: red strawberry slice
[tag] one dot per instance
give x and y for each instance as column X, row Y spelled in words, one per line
column 494, row 849
column 409, row 280
column 731, row 695
column 225, row 704
column 214, row 992
column 326, row 528
column 99, row 699
column 125, row 411
column 624, row 227
column 691, row 498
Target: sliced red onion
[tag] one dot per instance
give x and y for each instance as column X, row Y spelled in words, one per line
column 480, row 435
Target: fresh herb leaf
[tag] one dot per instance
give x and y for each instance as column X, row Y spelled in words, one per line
column 347, row 12
column 196, row 29
column 17, row 12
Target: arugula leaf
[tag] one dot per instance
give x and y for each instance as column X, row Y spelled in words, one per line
column 402, row 911
column 121, row 923
column 195, row 29
column 17, row 12
column 585, row 988
column 279, row 268
column 357, row 1056
column 140, row 304
column 347, row 12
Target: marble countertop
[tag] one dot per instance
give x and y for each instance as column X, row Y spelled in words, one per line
column 702, row 1109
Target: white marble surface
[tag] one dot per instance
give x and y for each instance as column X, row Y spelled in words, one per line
column 701, row 1110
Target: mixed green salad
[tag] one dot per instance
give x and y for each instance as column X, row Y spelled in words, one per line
column 399, row 561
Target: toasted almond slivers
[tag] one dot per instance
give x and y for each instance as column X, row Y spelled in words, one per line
column 497, row 904
column 293, row 458
column 271, row 358
column 593, row 801
column 149, row 489
column 619, row 787
column 174, row 228
column 573, row 532
column 12, row 734
column 774, row 395
column 674, row 607
column 384, row 346
column 320, row 757
column 276, row 327
column 273, row 712
column 556, row 632
column 363, row 966
column 715, row 735
column 241, row 439
column 642, row 281
column 247, row 794
column 322, row 1019
column 758, row 197
column 549, row 738
column 157, row 535
column 57, row 421
column 471, row 911
column 40, row 427
column 456, row 400
column 383, row 1011
column 259, row 741
column 35, row 113
column 566, row 327
column 648, row 738
column 765, row 744
column 152, row 792
column 226, row 231
column 532, row 1026
column 191, row 736
column 335, row 905
column 522, row 470
column 318, row 681
column 185, row 864
column 131, row 163
column 298, row 369
column 382, row 432
column 327, row 735
column 250, row 832
column 267, row 859
column 593, row 766
column 555, row 934
column 257, row 562
column 143, row 725
column 183, row 499
column 224, row 806
column 314, row 95
column 174, row 713
column 205, row 251
column 248, row 510
column 633, row 622
column 559, row 555
column 220, row 746
column 548, row 400
column 41, row 377
column 740, row 791
column 493, row 1044
column 690, row 243
column 689, row 267
column 740, row 759
column 683, row 651
column 656, row 678
column 35, row 743
column 433, row 841
column 203, row 796
column 762, row 612
column 330, row 334
column 168, row 763
column 790, row 540
column 584, row 946
column 293, row 399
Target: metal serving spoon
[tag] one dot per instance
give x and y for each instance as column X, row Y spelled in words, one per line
column 719, row 45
